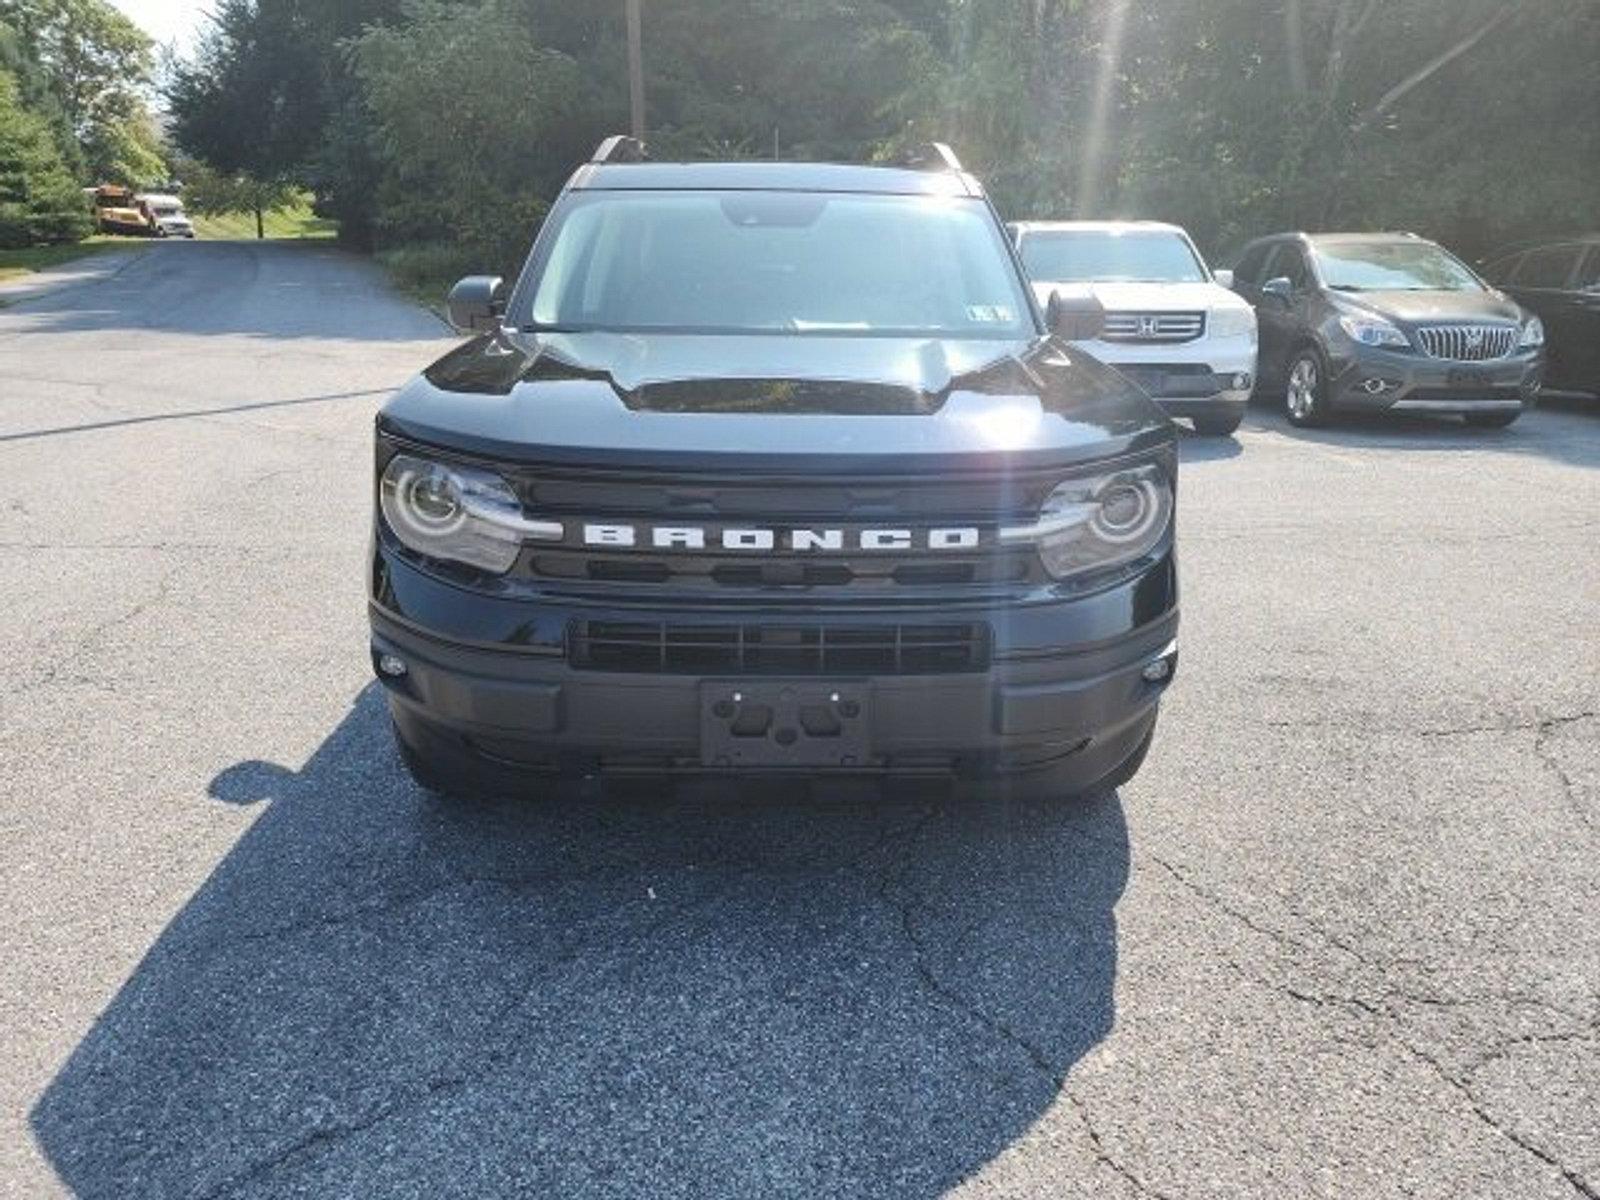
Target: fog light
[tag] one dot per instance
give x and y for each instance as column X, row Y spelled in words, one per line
column 1160, row 668
column 1240, row 380
column 392, row 665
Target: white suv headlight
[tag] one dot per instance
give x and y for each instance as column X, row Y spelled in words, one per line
column 1100, row 522
column 459, row 513
column 1231, row 322
column 1532, row 335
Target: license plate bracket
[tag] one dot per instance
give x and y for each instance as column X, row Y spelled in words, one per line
column 1466, row 377
column 781, row 723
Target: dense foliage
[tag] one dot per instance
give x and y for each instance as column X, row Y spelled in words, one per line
column 95, row 66
column 39, row 199
column 452, row 122
column 72, row 113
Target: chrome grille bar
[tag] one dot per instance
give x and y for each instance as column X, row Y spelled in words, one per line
column 1153, row 326
column 1467, row 343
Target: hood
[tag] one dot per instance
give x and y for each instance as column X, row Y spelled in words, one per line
column 1147, row 297
column 1428, row 307
column 610, row 398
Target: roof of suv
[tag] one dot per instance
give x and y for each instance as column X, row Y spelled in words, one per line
column 772, row 176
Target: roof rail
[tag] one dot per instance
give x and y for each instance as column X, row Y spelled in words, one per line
column 931, row 156
column 619, row 148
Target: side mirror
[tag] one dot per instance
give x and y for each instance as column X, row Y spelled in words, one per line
column 1075, row 318
column 475, row 304
column 1224, row 277
column 1280, row 289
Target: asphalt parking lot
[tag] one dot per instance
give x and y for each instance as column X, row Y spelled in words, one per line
column 1340, row 938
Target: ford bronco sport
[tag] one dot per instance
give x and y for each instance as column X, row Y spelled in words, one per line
column 772, row 468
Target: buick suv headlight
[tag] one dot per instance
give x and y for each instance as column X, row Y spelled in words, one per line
column 1372, row 331
column 1532, row 335
column 458, row 513
column 1100, row 522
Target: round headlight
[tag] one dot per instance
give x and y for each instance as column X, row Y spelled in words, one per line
column 1100, row 522
column 452, row 512
column 1125, row 511
column 433, row 498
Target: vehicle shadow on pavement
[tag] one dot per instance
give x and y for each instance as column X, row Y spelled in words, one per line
column 1564, row 433
column 700, row 991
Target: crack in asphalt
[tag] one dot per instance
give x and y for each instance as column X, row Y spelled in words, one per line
column 496, row 1024
column 1389, row 1019
column 486, row 1060
column 904, row 901
column 1569, row 786
column 81, row 642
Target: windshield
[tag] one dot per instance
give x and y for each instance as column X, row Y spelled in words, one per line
column 1392, row 267
column 1106, row 256
column 763, row 262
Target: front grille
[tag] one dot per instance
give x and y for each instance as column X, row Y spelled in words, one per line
column 1003, row 566
column 1467, row 343
column 848, row 503
column 1153, row 327
column 759, row 649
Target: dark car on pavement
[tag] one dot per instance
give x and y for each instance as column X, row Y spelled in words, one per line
column 1559, row 279
column 772, row 467
column 1386, row 322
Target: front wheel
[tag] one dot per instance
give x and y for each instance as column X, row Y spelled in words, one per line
column 1305, row 397
column 1497, row 420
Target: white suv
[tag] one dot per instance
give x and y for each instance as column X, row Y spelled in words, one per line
column 1170, row 326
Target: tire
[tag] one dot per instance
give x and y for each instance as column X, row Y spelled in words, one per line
column 1220, row 426
column 1305, row 391
column 1491, row 420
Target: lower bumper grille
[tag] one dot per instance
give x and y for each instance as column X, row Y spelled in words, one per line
column 748, row 649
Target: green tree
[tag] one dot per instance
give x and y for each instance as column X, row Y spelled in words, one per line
column 207, row 190
column 96, row 62
column 465, row 164
column 40, row 201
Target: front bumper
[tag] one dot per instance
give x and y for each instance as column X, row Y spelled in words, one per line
column 1210, row 376
column 1375, row 379
column 1066, row 688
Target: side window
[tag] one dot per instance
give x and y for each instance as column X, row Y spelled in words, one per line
column 1249, row 269
column 1589, row 274
column 1502, row 268
column 1290, row 262
column 1548, row 266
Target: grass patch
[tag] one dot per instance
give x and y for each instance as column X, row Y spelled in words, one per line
column 426, row 271
column 296, row 222
column 16, row 264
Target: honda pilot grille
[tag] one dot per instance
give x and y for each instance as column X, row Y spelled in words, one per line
column 1467, row 343
column 1153, row 327
column 759, row 649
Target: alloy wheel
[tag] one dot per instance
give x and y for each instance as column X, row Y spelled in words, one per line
column 1301, row 396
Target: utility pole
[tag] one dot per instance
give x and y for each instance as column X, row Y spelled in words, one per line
column 635, row 70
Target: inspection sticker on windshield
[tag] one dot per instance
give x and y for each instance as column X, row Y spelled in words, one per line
column 988, row 314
